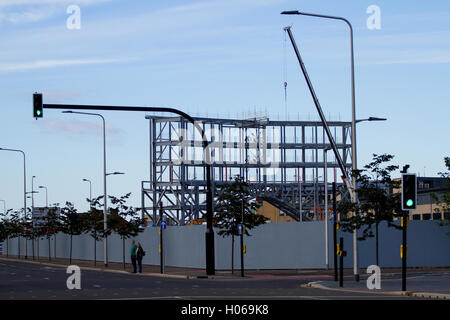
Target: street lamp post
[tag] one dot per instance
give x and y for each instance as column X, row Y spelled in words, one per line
column 105, row 245
column 32, row 191
column 46, row 195
column 24, row 191
column 354, row 164
column 90, row 192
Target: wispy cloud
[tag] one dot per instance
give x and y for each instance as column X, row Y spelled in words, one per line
column 77, row 127
column 29, row 15
column 25, row 66
column 431, row 59
column 10, row 3
column 406, row 48
column 28, row 11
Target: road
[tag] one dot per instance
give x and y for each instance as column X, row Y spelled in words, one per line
column 20, row 280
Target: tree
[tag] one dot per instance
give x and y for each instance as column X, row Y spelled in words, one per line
column 377, row 202
column 93, row 223
column 235, row 204
column 50, row 226
column 124, row 220
column 71, row 224
column 443, row 201
column 6, row 228
column 27, row 230
column 16, row 228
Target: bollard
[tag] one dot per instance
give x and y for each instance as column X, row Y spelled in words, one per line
column 341, row 262
column 161, row 247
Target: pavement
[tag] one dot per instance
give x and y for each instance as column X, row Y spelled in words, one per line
column 421, row 282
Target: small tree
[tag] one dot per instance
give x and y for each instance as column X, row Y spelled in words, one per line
column 15, row 228
column 27, row 230
column 235, row 204
column 93, row 223
column 377, row 202
column 6, row 228
column 124, row 220
column 50, row 226
column 71, row 224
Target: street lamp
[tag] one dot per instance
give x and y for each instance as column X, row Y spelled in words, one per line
column 114, row 173
column 354, row 164
column 90, row 191
column 371, row 119
column 24, row 191
column 105, row 245
column 46, row 195
column 32, row 193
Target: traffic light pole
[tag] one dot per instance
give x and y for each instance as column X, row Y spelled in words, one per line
column 404, row 249
column 209, row 234
column 409, row 201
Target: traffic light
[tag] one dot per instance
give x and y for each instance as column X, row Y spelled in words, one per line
column 409, row 191
column 37, row 105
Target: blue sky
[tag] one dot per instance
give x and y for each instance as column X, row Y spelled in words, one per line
column 216, row 58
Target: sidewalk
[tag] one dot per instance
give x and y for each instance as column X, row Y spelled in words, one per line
column 425, row 283
column 421, row 282
column 175, row 272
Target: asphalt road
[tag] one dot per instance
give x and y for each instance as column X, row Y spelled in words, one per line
column 34, row 281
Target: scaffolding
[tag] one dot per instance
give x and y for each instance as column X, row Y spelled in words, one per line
column 283, row 161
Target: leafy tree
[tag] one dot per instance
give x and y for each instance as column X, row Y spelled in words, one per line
column 50, row 226
column 15, row 227
column 377, row 202
column 443, row 202
column 71, row 224
column 234, row 204
column 93, row 223
column 6, row 228
column 38, row 232
column 27, row 229
column 124, row 220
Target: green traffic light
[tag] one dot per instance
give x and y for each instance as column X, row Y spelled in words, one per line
column 409, row 202
column 38, row 112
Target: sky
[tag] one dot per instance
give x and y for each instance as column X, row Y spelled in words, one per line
column 225, row 58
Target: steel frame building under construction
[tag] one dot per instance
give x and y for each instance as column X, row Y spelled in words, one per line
column 282, row 160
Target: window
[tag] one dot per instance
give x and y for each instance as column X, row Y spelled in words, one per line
column 416, row 217
column 437, row 216
column 426, row 216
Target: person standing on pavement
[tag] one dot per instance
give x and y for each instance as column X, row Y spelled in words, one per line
column 140, row 253
column 133, row 255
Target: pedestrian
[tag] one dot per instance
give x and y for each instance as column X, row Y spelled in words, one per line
column 140, row 253
column 133, row 255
